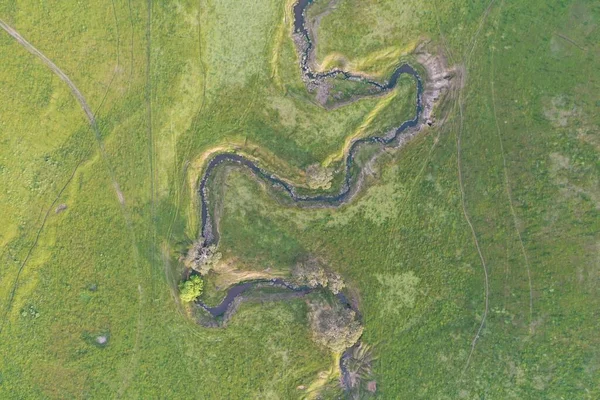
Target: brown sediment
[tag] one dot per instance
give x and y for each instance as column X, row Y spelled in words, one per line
column 440, row 81
column 230, row 272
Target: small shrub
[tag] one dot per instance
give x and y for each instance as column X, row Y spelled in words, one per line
column 335, row 283
column 312, row 273
column 334, row 326
column 319, row 177
column 202, row 258
column 191, row 289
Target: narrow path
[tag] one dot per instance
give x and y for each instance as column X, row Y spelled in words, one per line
column 571, row 41
column 459, row 106
column 507, row 186
column 474, row 236
column 75, row 91
column 185, row 162
column 132, row 58
column 92, row 120
column 93, row 124
column 476, row 34
column 135, row 354
column 484, row 267
column 84, row 105
column 32, row 247
column 149, row 131
column 118, row 60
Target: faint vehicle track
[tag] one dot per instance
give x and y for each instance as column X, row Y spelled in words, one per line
column 118, row 59
column 467, row 60
column 459, row 107
column 32, row 247
column 510, row 198
column 135, row 354
column 93, row 124
column 131, row 40
column 78, row 95
column 92, row 120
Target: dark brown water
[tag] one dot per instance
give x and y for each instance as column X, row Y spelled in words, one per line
column 209, row 231
column 237, row 290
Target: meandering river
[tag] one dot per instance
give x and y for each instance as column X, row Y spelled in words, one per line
column 305, row 47
column 209, row 229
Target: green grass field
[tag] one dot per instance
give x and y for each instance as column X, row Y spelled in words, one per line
column 489, row 220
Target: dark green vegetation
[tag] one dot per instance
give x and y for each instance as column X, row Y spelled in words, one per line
column 334, row 326
column 171, row 80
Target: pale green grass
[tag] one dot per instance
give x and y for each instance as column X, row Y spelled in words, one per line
column 238, row 36
column 529, row 161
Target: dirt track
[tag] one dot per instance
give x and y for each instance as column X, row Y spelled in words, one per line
column 84, row 105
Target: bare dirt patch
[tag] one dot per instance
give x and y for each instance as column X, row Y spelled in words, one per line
column 441, row 80
column 559, row 110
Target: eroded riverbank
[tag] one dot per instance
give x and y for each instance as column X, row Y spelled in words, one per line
column 437, row 83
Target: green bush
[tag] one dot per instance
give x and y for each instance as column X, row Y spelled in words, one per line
column 191, row 289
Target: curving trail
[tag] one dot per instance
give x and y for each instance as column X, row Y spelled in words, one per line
column 76, row 93
column 94, row 126
column 463, row 201
column 30, row 48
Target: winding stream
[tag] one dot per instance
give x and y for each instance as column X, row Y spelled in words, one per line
column 244, row 287
column 208, row 229
column 350, row 185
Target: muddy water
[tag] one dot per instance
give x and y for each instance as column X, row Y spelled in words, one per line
column 209, row 231
column 237, row 290
column 242, row 288
column 299, row 8
column 305, row 46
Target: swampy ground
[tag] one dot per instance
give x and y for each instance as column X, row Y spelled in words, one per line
column 474, row 250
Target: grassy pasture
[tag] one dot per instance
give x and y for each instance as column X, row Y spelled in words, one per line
column 170, row 80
